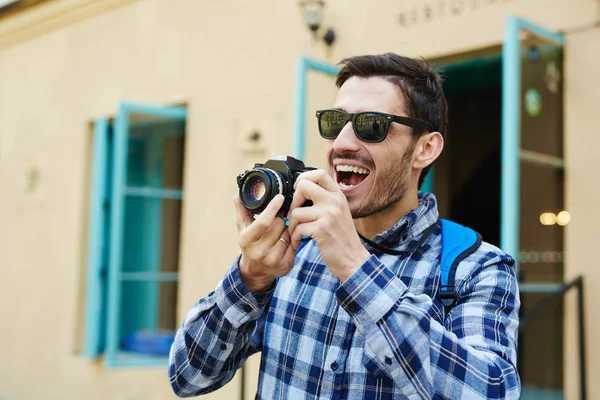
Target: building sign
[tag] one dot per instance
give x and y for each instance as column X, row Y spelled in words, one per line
column 424, row 12
column 439, row 28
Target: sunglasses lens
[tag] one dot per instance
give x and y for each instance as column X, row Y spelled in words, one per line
column 331, row 123
column 371, row 127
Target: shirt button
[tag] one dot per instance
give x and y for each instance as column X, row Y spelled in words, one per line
column 388, row 361
column 223, row 346
column 247, row 307
column 334, row 365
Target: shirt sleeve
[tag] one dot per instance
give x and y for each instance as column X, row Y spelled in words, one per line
column 219, row 333
column 472, row 355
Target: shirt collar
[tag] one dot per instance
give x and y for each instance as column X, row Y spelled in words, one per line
column 409, row 228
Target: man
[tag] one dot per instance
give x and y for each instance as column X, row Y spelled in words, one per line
column 356, row 313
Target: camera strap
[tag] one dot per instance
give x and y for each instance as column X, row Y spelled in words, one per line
column 394, row 252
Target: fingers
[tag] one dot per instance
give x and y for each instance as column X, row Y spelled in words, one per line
column 268, row 250
column 254, row 230
column 243, row 216
column 321, row 178
column 316, row 186
column 271, row 235
column 264, row 241
column 305, row 229
column 302, row 215
column 282, row 239
column 307, row 190
column 278, row 250
column 289, row 256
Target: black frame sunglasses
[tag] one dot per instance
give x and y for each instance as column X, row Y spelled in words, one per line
column 368, row 126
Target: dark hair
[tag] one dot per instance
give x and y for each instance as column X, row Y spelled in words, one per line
column 420, row 84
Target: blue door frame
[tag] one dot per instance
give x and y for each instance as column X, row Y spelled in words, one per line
column 511, row 137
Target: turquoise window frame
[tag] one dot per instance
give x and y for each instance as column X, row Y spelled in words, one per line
column 95, row 314
column 511, row 137
column 105, row 275
column 305, row 65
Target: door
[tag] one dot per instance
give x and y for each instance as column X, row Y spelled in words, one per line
column 533, row 215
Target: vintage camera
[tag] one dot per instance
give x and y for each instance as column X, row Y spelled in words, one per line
column 260, row 184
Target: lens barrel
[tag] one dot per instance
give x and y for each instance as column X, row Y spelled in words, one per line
column 258, row 187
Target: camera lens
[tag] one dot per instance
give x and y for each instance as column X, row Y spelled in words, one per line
column 259, row 186
column 256, row 189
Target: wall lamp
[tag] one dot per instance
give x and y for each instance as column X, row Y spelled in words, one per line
column 312, row 11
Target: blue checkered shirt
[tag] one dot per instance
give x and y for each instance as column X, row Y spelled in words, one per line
column 381, row 334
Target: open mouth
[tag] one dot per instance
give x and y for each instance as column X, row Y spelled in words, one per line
column 349, row 176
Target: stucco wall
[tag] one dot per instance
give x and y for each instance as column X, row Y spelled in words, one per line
column 234, row 64
column 582, row 91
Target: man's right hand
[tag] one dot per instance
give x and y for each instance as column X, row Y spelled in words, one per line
column 265, row 244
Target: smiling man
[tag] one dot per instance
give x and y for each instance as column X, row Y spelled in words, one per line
column 362, row 310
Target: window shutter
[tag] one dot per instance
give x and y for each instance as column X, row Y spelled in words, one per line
column 98, row 246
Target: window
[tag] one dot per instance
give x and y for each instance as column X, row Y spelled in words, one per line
column 136, row 200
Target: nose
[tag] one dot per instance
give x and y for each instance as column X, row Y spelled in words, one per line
column 346, row 140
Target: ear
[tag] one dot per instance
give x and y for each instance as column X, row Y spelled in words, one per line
column 428, row 149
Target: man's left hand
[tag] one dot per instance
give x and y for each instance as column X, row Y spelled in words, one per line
column 328, row 221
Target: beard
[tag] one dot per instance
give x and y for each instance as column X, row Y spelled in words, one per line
column 389, row 187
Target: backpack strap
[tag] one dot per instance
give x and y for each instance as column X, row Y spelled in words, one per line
column 458, row 242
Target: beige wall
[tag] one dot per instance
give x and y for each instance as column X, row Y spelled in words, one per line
column 233, row 63
column 582, row 120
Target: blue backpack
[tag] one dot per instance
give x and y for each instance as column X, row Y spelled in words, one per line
column 458, row 242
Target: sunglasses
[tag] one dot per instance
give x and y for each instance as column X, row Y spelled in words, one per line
column 369, row 126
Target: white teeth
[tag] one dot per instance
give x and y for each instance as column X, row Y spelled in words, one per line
column 349, row 168
column 342, row 184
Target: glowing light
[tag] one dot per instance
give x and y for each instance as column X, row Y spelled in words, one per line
column 563, row 218
column 548, row 218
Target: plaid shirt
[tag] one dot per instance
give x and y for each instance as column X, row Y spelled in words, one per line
column 381, row 334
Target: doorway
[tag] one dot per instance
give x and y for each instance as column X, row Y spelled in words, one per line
column 502, row 174
column 467, row 185
column 467, row 175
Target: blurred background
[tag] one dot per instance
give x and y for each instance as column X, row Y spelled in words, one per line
column 124, row 123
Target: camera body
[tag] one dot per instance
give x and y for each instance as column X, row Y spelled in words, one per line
column 259, row 185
